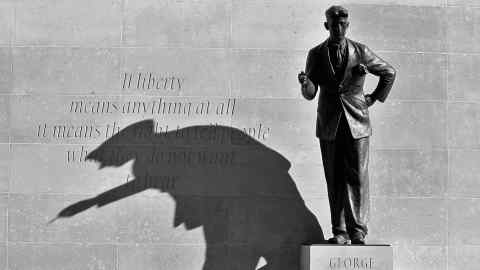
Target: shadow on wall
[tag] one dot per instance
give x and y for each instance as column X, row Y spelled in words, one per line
column 220, row 178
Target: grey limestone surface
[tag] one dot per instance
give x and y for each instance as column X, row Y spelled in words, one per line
column 424, row 155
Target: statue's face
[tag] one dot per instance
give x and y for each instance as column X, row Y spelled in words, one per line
column 337, row 27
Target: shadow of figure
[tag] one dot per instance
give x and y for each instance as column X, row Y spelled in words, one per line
column 220, row 178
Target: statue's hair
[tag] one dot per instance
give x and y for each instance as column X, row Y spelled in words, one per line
column 335, row 12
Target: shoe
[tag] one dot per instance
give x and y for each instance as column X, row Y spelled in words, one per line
column 338, row 239
column 358, row 240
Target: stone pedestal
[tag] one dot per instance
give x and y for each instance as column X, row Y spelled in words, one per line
column 346, row 257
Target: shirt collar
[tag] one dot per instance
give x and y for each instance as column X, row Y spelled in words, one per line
column 342, row 44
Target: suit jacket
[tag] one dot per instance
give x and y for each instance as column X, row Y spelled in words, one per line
column 345, row 96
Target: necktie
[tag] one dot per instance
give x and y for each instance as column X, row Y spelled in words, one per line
column 337, row 56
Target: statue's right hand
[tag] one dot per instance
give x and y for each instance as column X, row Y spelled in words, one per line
column 302, row 77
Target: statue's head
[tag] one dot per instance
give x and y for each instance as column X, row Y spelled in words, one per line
column 337, row 22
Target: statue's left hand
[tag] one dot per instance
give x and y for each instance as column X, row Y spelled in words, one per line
column 360, row 69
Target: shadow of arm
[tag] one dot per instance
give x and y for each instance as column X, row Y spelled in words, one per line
column 109, row 196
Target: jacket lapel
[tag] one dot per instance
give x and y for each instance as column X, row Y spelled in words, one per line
column 350, row 60
column 327, row 65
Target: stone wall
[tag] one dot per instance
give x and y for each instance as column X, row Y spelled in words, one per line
column 55, row 55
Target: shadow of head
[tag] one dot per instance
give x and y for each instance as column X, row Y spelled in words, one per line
column 220, row 178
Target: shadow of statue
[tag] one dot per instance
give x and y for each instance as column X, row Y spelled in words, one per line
column 222, row 179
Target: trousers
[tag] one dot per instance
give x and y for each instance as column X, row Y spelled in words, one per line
column 345, row 163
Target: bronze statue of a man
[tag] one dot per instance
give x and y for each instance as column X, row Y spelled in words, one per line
column 338, row 66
